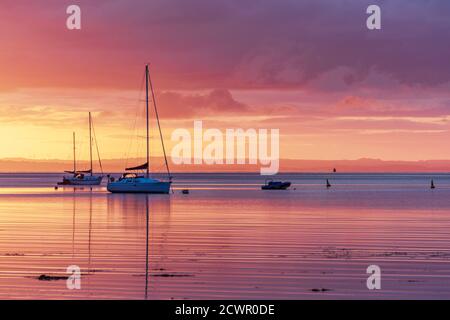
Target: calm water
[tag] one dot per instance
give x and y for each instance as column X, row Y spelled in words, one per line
column 228, row 239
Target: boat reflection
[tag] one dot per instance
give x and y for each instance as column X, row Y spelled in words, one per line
column 156, row 209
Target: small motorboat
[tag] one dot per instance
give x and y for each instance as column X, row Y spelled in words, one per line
column 276, row 185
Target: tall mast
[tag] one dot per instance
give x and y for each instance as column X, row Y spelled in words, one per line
column 90, row 140
column 74, row 156
column 148, row 141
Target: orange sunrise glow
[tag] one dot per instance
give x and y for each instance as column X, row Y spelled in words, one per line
column 329, row 109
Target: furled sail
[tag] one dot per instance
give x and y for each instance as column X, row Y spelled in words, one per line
column 141, row 167
column 78, row 171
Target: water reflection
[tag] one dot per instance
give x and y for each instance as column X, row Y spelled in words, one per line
column 77, row 255
column 233, row 244
column 73, row 224
column 156, row 210
column 146, row 244
column 89, row 240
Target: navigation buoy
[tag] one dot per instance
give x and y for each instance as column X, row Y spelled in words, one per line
column 432, row 185
column 328, row 184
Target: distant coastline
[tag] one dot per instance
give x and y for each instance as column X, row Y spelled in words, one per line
column 21, row 165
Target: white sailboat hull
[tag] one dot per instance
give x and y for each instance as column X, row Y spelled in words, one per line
column 85, row 181
column 139, row 185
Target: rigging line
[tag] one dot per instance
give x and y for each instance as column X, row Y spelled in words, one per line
column 96, row 147
column 140, row 114
column 159, row 126
column 140, row 140
column 79, row 151
column 130, row 145
column 127, row 156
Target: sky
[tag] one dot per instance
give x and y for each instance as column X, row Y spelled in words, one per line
column 309, row 68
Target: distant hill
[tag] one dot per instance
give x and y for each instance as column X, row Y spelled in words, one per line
column 286, row 165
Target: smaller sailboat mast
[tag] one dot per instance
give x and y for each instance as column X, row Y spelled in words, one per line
column 74, row 155
column 90, row 141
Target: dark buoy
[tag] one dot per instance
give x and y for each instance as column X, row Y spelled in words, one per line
column 432, row 185
column 328, row 184
column 56, row 187
column 185, row 191
column 334, row 170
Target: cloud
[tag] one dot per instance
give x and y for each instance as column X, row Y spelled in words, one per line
column 202, row 44
column 218, row 101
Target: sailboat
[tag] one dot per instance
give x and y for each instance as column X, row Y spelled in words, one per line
column 80, row 177
column 134, row 182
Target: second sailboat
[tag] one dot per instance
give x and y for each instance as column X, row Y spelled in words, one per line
column 83, row 177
